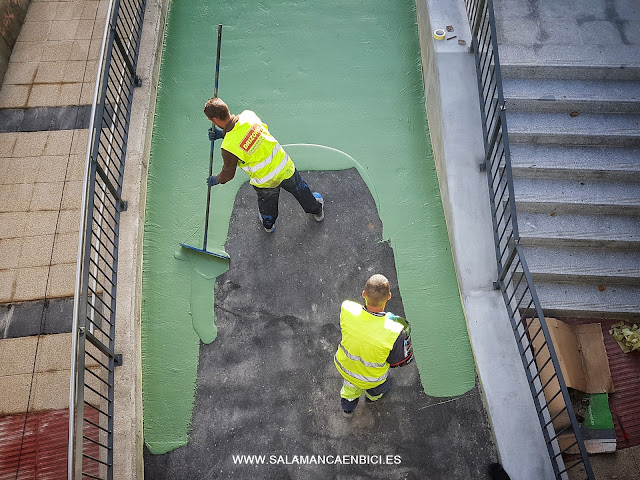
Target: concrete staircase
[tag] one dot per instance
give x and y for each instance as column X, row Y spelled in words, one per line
column 574, row 132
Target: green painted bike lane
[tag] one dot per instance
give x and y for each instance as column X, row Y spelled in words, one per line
column 340, row 86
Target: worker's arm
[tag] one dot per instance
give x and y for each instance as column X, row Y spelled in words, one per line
column 228, row 167
column 401, row 354
column 230, row 162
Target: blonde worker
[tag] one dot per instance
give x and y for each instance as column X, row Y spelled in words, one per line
column 372, row 341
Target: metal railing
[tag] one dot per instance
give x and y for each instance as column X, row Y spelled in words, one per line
column 550, row 394
column 91, row 411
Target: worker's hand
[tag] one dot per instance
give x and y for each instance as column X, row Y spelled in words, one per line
column 215, row 133
column 212, row 180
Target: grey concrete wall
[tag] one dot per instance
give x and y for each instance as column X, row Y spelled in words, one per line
column 453, row 112
column 12, row 15
column 128, row 441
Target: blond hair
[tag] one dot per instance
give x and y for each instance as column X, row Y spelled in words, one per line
column 376, row 291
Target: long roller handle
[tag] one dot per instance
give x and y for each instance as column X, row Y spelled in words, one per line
column 206, row 218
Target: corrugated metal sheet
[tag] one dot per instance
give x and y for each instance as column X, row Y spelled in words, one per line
column 625, row 401
column 42, row 454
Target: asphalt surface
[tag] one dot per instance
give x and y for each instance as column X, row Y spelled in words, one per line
column 267, row 385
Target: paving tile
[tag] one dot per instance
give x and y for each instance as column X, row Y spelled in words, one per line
column 54, row 353
column 10, row 252
column 14, row 96
column 50, row 72
column 80, row 139
column 95, row 47
column 77, row 167
column 58, row 316
column 31, row 283
column 50, row 391
column 12, row 224
column 88, row 92
column 39, row 223
column 43, row 95
column 7, row 142
column 84, row 31
column 21, row 73
column 65, row 248
column 69, row 11
column 89, row 10
column 58, row 142
column 46, row 196
column 51, row 168
column 14, row 393
column 28, row 51
column 34, row 31
column 36, row 251
column 62, row 280
column 17, row 355
column 62, row 30
column 79, row 50
column 15, row 197
column 42, row 11
column 69, row 94
column 23, row 170
column 73, row 71
column 7, row 284
column 30, row 144
column 91, row 70
column 72, row 196
column 36, row 317
column 57, row 51
column 69, row 221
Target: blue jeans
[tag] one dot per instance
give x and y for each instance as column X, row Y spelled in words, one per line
column 296, row 186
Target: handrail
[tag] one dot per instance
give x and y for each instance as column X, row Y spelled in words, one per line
column 91, row 406
column 551, row 398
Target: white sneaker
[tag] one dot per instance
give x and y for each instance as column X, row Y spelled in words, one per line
column 319, row 216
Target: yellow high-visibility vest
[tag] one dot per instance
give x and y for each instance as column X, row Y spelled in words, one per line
column 367, row 340
column 259, row 154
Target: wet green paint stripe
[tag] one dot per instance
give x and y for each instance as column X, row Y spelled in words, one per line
column 340, row 84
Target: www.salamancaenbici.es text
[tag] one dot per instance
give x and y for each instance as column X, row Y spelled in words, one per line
column 317, row 459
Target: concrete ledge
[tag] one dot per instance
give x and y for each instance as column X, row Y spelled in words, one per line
column 128, row 442
column 455, row 126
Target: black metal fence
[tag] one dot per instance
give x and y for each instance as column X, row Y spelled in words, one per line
column 92, row 385
column 550, row 394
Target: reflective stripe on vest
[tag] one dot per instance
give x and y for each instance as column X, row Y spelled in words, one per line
column 367, row 340
column 259, row 154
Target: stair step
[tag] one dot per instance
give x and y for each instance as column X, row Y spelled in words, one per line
column 564, row 61
column 583, row 96
column 575, row 196
column 612, row 231
column 588, row 300
column 547, row 161
column 599, row 265
column 613, row 129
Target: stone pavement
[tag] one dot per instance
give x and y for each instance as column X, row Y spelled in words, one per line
column 44, row 111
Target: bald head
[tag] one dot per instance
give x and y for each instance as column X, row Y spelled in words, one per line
column 377, row 291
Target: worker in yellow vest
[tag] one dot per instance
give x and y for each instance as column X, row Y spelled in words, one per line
column 248, row 144
column 372, row 341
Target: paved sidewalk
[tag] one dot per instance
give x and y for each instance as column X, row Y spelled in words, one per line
column 44, row 111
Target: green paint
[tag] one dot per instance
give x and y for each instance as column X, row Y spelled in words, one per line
column 598, row 415
column 340, row 82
